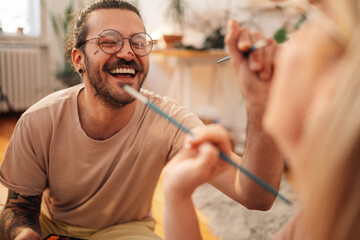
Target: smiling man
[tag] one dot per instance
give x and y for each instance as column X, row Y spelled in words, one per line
column 112, row 55
column 84, row 161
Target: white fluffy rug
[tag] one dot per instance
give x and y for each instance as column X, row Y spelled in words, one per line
column 229, row 220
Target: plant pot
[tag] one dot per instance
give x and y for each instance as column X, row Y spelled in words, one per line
column 172, row 40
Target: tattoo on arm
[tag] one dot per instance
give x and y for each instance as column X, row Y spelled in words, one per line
column 19, row 212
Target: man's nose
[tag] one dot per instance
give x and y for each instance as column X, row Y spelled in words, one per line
column 126, row 51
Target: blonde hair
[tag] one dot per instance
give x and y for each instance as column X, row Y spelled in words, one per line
column 331, row 144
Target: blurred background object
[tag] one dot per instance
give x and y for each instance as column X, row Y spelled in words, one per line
column 60, row 24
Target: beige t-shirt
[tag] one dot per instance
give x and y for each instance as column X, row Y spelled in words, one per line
column 91, row 183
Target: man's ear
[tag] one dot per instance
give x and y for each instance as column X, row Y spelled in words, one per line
column 77, row 57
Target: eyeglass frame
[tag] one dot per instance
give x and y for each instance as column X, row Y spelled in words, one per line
column 122, row 38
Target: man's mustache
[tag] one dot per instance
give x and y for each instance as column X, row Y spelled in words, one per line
column 122, row 63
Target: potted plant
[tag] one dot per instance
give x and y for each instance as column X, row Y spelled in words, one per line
column 175, row 14
column 61, row 25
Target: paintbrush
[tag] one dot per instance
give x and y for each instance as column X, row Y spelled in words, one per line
column 256, row 179
column 257, row 45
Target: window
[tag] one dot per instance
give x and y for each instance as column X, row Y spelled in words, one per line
column 20, row 17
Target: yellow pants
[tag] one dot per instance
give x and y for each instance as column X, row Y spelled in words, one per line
column 139, row 230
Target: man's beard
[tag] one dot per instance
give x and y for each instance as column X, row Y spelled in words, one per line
column 104, row 91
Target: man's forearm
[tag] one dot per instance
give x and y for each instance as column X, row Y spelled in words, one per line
column 261, row 157
column 20, row 212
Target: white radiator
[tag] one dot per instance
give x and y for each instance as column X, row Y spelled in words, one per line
column 24, row 75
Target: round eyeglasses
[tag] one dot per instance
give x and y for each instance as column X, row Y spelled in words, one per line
column 111, row 42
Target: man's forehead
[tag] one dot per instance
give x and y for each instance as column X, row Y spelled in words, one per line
column 121, row 20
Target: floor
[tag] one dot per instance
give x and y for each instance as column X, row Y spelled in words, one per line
column 7, row 124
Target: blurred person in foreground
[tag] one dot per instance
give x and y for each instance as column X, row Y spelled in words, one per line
column 313, row 113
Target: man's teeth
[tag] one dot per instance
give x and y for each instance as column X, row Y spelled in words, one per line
column 123, row 71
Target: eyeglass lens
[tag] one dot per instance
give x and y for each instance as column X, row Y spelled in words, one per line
column 111, row 42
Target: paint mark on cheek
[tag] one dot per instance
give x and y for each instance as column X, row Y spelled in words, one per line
column 97, row 52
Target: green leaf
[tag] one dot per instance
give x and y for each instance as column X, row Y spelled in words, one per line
column 61, row 24
column 54, row 24
column 281, row 35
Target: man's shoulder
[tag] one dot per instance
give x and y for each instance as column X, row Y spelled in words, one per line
column 54, row 100
column 172, row 108
column 51, row 106
column 158, row 100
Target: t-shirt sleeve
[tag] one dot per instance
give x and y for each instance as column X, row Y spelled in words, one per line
column 174, row 135
column 23, row 168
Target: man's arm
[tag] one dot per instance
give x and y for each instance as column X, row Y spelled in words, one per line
column 262, row 158
column 261, row 155
column 20, row 217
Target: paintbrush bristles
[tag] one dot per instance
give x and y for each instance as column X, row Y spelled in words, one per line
column 135, row 93
column 257, row 45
